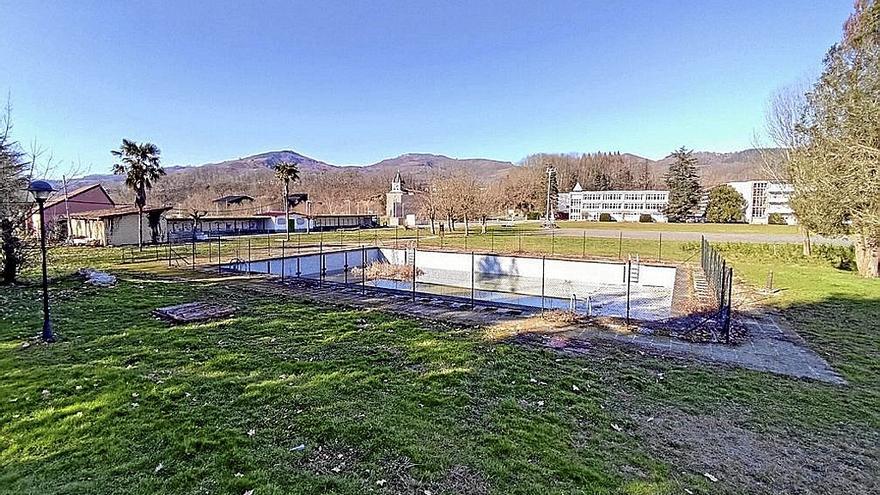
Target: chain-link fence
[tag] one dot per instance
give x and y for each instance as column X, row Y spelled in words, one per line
column 612, row 276
column 630, row 290
column 719, row 277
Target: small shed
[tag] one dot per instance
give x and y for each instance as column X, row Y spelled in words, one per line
column 119, row 226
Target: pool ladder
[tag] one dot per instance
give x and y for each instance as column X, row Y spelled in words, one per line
column 573, row 301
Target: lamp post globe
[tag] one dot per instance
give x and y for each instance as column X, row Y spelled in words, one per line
column 41, row 190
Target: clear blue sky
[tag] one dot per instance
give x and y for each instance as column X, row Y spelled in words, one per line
column 355, row 82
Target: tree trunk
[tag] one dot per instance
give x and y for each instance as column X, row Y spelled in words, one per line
column 808, row 244
column 140, row 228
column 287, row 208
column 466, row 226
column 483, row 225
column 431, row 218
column 867, row 257
column 10, row 256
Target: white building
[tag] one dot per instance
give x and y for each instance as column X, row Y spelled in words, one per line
column 764, row 198
column 401, row 204
column 623, row 206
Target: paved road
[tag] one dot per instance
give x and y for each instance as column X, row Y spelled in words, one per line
column 695, row 236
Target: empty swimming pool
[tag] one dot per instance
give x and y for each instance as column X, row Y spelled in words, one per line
column 598, row 288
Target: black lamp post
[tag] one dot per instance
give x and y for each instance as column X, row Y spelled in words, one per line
column 41, row 191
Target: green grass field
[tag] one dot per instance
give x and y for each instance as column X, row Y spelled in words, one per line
column 734, row 228
column 388, row 404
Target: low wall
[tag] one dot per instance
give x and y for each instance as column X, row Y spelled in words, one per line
column 437, row 267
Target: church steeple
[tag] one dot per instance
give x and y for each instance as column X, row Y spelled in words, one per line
column 397, row 183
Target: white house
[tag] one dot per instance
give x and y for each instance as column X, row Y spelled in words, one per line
column 623, row 206
column 764, row 198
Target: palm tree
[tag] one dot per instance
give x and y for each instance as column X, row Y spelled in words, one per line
column 287, row 172
column 139, row 163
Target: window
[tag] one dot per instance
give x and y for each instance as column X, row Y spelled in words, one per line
column 759, row 200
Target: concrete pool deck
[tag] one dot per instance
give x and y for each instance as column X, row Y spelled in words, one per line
column 771, row 345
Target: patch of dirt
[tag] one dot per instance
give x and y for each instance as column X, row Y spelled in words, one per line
column 332, row 459
column 457, row 480
column 463, row 479
column 745, row 461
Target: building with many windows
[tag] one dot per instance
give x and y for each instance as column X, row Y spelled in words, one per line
column 623, row 206
column 765, row 198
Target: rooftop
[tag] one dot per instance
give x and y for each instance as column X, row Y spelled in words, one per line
column 117, row 211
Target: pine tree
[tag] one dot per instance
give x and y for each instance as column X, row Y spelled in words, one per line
column 13, row 201
column 683, row 183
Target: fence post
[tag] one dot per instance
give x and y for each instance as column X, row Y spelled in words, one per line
column 628, row 284
column 493, row 241
column 660, row 248
column 219, row 266
column 322, row 271
column 345, row 268
column 249, row 257
column 543, row 265
column 298, row 271
column 414, row 275
column 193, row 254
column 620, row 246
column 168, row 249
column 283, row 242
column 729, row 304
column 363, row 269
column 473, row 278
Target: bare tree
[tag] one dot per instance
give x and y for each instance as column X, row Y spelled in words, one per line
column 783, row 114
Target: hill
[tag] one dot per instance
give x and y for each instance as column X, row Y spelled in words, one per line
column 718, row 168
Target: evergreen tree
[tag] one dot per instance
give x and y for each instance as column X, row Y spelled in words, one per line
column 644, row 180
column 683, row 183
column 14, row 206
column 726, row 205
column 599, row 180
column 553, row 192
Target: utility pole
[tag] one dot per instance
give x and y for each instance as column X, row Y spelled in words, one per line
column 550, row 219
column 66, row 206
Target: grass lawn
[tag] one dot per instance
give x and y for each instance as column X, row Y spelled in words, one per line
column 735, row 228
column 387, row 404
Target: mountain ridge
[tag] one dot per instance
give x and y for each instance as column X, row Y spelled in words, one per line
column 715, row 167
